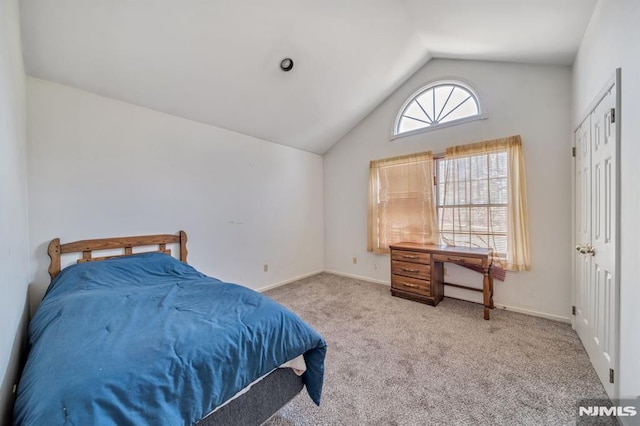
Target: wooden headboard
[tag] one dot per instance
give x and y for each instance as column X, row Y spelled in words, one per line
column 127, row 243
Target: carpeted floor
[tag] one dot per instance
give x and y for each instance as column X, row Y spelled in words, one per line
column 391, row 361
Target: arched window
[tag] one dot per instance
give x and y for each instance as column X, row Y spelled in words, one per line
column 437, row 105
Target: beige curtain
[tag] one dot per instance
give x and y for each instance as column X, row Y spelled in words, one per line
column 401, row 202
column 517, row 232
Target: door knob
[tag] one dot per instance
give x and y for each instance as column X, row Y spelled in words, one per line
column 586, row 249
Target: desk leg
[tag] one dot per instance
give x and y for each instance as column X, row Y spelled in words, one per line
column 491, row 288
column 486, row 292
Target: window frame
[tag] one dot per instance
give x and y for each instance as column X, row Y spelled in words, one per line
column 482, row 115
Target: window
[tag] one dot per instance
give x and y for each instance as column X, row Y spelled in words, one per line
column 402, row 205
column 479, row 201
column 436, row 105
column 472, row 201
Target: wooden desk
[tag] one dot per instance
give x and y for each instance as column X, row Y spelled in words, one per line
column 417, row 271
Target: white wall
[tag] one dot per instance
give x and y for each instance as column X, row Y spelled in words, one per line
column 611, row 41
column 532, row 101
column 104, row 168
column 13, row 203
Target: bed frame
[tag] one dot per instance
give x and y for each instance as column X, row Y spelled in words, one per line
column 255, row 406
column 87, row 247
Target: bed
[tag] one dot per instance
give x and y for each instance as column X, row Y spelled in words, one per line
column 144, row 338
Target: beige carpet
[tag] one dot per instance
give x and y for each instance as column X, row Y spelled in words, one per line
column 391, row 361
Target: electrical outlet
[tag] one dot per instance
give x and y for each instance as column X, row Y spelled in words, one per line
column 446, row 271
column 266, row 267
column 355, row 260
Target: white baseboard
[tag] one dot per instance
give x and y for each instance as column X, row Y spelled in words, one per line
column 533, row 313
column 497, row 305
column 358, row 277
column 281, row 283
column 388, row 284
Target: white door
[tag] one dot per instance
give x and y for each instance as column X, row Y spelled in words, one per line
column 596, row 291
column 583, row 228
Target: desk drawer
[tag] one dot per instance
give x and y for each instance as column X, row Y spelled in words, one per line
column 463, row 260
column 414, row 270
column 411, row 284
column 411, row 256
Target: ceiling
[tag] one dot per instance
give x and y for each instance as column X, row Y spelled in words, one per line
column 217, row 62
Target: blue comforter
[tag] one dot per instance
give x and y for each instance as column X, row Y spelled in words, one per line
column 148, row 339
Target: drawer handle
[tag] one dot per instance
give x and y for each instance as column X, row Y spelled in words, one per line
column 456, row 259
column 415, row 271
column 410, row 285
column 406, row 256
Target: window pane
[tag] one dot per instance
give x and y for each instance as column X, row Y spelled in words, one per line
column 426, row 101
column 500, row 245
column 441, row 194
column 407, row 125
column 463, row 166
column 499, row 190
column 461, row 184
column 461, row 220
column 441, row 96
column 498, row 164
column 466, row 109
column 414, row 111
column 442, row 167
column 479, row 219
column 461, row 240
column 478, row 166
column 480, row 191
column 446, row 219
column 458, row 99
column 498, row 219
column 480, row 240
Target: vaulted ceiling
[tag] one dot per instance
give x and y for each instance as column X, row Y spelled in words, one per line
column 217, row 62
